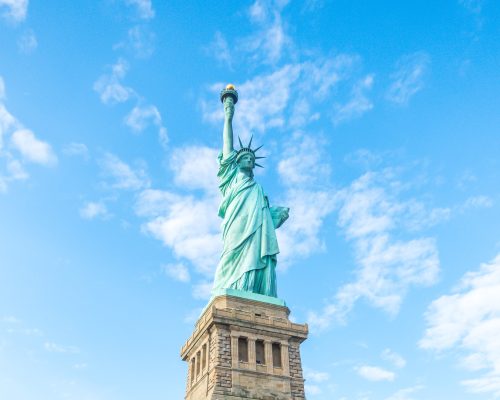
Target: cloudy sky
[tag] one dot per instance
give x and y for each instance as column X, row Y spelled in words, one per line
column 381, row 126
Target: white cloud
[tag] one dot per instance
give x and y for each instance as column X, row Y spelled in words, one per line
column 305, row 172
column 265, row 99
column 57, row 348
column 178, row 271
column 10, row 319
column 202, row 290
column 312, row 390
column 358, row 104
column 316, row 376
column 257, row 110
column 304, row 161
column 195, row 167
column 477, row 202
column 375, row 374
column 124, row 176
column 468, row 322
column 473, row 6
column 408, row 78
column 387, row 267
column 270, row 40
column 219, row 49
column 76, row 149
column 24, row 141
column 109, row 86
column 27, row 43
column 33, row 149
column 405, row 394
column 14, row 10
column 394, row 358
column 93, row 210
column 141, row 41
column 144, row 8
column 189, row 226
column 2, row 89
column 16, row 170
column 142, row 116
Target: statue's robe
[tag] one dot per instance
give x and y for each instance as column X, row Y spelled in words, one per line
column 248, row 260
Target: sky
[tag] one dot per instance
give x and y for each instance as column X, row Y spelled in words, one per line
column 381, row 126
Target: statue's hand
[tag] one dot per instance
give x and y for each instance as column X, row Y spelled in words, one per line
column 229, row 108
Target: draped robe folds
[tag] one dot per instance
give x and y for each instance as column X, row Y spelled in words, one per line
column 248, row 260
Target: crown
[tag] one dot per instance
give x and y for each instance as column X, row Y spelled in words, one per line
column 248, row 150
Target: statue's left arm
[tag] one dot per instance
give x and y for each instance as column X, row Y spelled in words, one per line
column 279, row 215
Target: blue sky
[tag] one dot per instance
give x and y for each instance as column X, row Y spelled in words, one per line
column 381, row 126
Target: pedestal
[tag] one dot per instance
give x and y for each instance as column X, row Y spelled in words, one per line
column 243, row 348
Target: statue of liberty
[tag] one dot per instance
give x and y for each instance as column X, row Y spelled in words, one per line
column 248, row 260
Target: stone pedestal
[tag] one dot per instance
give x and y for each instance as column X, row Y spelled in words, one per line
column 244, row 349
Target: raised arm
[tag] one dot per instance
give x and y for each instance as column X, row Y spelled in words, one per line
column 227, row 134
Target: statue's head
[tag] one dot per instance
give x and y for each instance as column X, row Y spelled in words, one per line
column 245, row 157
column 246, row 161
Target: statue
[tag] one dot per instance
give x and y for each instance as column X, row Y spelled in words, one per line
column 248, row 260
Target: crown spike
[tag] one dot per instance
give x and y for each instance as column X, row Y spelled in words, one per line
column 241, row 144
column 255, row 150
column 250, row 142
column 259, row 157
column 258, row 165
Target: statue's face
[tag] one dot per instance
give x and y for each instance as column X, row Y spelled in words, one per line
column 246, row 161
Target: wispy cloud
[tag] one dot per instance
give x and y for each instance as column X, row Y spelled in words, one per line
column 408, row 77
column 316, row 376
column 143, row 116
column 140, row 41
column 76, row 149
column 474, row 202
column 199, row 175
column 285, row 96
column 33, row 149
column 375, row 374
column 144, row 8
column 305, row 172
column 474, row 8
column 268, row 43
column 467, row 322
column 219, row 49
column 188, row 226
column 370, row 214
column 14, row 10
column 187, row 223
column 109, row 86
column 57, row 348
column 358, row 104
column 27, row 42
column 393, row 357
column 93, row 210
column 122, row 175
column 18, row 146
column 202, row 290
column 178, row 271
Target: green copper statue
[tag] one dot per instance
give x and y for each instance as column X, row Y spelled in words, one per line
column 248, row 260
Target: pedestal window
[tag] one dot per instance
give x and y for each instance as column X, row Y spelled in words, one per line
column 260, row 354
column 277, row 355
column 243, row 349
